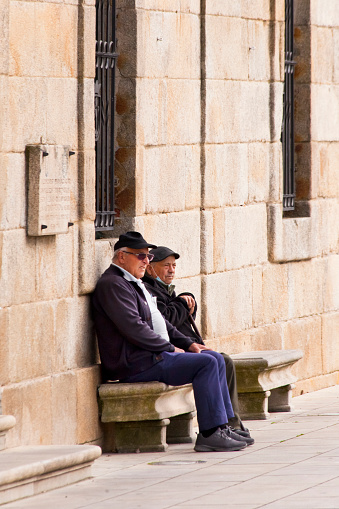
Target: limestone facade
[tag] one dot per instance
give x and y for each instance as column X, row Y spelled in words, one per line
column 199, row 91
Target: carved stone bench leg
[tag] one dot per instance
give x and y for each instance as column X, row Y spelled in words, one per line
column 280, row 399
column 180, row 429
column 254, row 405
column 141, row 436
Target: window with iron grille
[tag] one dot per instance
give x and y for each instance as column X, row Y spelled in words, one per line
column 104, row 112
column 288, row 113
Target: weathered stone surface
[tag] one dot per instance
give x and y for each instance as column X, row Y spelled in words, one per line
column 270, row 294
column 223, row 8
column 259, row 158
column 12, row 191
column 275, row 172
column 30, row 336
column 206, row 242
column 30, row 403
column 325, row 157
column 328, row 16
column 331, row 283
column 43, row 39
column 169, row 43
column 74, row 334
column 63, row 395
column 151, row 121
column 237, row 112
column 4, row 37
column 227, row 299
column 328, row 225
column 192, row 6
column 64, row 245
column 172, row 178
column 335, row 55
column 245, row 236
column 87, row 279
column 329, row 332
column 267, row 337
column 322, row 55
column 183, row 112
column 62, row 125
column 291, row 238
column 226, row 179
column 305, row 288
column 325, row 111
column 306, row 335
column 17, row 286
column 4, row 348
column 221, row 63
column 86, row 177
column 316, row 383
column 88, row 425
column 45, row 268
column 103, row 255
column 258, row 47
column 88, row 35
column 302, row 56
column 29, row 95
column 183, row 229
column 257, row 9
column 85, row 128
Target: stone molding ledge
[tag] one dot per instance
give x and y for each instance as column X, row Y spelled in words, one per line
column 27, row 471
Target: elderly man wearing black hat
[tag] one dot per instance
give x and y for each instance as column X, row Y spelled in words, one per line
column 180, row 311
column 137, row 344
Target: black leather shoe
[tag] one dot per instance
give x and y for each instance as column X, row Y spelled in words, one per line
column 218, row 441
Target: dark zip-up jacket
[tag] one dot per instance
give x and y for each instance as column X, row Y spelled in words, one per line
column 122, row 317
column 173, row 308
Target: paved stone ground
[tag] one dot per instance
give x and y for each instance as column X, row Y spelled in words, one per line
column 293, row 464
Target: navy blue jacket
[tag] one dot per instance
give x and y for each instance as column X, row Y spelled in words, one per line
column 126, row 340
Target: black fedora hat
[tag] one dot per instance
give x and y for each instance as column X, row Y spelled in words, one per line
column 162, row 252
column 133, row 240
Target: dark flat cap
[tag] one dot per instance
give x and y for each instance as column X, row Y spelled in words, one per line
column 133, row 240
column 162, row 252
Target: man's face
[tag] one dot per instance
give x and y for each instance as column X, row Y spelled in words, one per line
column 166, row 269
column 131, row 263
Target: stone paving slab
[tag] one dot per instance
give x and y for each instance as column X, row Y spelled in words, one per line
column 293, row 465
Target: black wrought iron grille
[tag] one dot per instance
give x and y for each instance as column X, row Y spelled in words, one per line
column 104, row 112
column 288, row 115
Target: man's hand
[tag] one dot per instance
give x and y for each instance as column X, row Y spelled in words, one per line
column 190, row 302
column 196, row 348
column 179, row 350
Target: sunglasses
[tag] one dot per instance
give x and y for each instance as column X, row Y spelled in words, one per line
column 141, row 256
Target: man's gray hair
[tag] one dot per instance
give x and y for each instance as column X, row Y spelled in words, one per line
column 115, row 254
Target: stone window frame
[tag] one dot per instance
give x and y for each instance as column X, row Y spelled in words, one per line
column 294, row 235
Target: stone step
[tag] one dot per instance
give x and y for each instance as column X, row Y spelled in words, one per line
column 29, row 470
column 6, row 422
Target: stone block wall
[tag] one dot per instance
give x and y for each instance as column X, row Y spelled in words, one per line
column 198, row 167
column 48, row 367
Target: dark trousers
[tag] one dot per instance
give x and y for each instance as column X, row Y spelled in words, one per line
column 207, row 373
column 232, row 387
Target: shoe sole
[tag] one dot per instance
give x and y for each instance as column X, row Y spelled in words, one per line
column 206, row 448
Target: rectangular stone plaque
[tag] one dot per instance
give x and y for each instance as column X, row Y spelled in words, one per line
column 48, row 189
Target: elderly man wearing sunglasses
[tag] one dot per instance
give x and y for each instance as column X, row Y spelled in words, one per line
column 137, row 344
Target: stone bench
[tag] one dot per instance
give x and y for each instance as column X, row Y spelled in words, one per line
column 144, row 417
column 265, row 381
